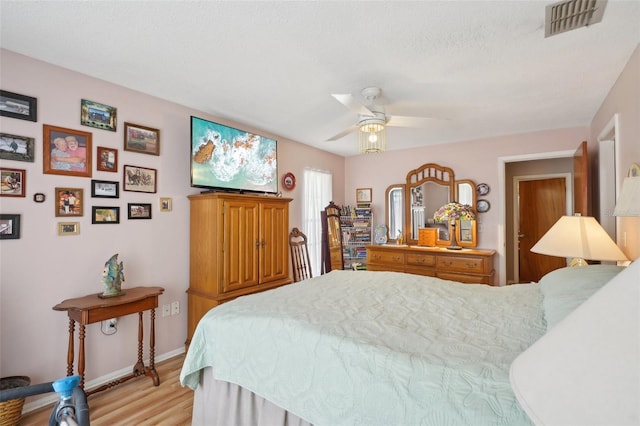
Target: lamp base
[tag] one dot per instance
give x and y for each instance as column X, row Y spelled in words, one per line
column 454, row 248
column 578, row 261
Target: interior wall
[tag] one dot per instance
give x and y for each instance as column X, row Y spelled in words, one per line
column 623, row 99
column 41, row 269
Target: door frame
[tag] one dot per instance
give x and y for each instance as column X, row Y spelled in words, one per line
column 502, row 229
column 568, row 208
column 609, row 186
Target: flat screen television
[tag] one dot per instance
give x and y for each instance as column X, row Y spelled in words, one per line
column 228, row 159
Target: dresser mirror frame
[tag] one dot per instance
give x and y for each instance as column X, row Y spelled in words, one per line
column 394, row 197
column 437, row 184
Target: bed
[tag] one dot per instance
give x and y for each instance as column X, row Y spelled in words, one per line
column 369, row 348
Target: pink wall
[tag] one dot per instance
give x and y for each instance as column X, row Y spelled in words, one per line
column 624, row 100
column 41, row 268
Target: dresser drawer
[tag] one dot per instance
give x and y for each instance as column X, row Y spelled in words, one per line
column 420, row 259
column 468, row 279
column 461, row 264
column 385, row 257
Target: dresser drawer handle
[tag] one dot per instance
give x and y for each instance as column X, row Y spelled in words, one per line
column 395, row 258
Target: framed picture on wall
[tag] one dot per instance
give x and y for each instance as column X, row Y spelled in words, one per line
column 104, row 189
column 139, row 211
column 9, row 226
column 17, row 148
column 66, row 151
column 18, row 106
column 105, row 215
column 107, row 159
column 363, row 195
column 13, row 182
column 139, row 179
column 142, row 139
column 97, row 115
column 69, row 202
column 68, row 228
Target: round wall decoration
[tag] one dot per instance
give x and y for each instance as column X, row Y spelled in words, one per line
column 482, row 189
column 289, row 181
column 483, row 206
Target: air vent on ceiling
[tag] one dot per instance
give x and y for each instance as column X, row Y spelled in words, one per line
column 572, row 14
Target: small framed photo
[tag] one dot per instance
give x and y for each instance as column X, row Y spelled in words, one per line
column 104, row 189
column 9, row 226
column 363, row 195
column 139, row 211
column 13, row 182
column 69, row 202
column 18, row 106
column 68, row 228
column 66, row 151
column 101, row 215
column 139, row 179
column 97, row 115
column 142, row 139
column 166, row 204
column 107, row 159
column 16, row 148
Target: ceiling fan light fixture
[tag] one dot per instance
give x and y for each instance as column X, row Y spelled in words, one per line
column 372, row 135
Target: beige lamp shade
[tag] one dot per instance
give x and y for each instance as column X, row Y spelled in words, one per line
column 579, row 237
column 629, row 200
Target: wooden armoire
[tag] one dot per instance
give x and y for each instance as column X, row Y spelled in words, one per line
column 238, row 246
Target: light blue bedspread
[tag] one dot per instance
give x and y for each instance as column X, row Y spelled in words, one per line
column 374, row 348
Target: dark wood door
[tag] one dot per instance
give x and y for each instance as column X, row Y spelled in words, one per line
column 540, row 204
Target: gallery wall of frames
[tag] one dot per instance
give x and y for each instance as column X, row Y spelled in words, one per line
column 71, row 152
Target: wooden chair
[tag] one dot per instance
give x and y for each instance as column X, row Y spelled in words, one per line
column 299, row 255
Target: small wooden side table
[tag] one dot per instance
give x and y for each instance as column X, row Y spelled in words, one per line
column 90, row 309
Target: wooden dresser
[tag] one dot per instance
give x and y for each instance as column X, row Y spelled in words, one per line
column 466, row 265
column 238, row 245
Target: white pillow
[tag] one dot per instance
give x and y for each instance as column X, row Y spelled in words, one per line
column 567, row 288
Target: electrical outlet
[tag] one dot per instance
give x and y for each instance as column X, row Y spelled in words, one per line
column 166, row 310
column 175, row 308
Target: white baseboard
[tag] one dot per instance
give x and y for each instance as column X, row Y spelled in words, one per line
column 52, row 398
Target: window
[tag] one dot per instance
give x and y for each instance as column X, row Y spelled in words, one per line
column 317, row 195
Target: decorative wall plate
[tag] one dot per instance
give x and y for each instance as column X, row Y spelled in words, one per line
column 289, row 181
column 482, row 189
column 483, row 206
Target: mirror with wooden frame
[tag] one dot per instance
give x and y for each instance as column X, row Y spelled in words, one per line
column 394, row 211
column 331, row 238
column 428, row 188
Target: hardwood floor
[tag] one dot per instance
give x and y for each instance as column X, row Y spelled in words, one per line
column 136, row 402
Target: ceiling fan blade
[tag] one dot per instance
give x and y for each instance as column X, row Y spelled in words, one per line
column 350, row 102
column 343, row 133
column 404, row 121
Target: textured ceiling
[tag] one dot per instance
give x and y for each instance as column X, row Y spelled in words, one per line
column 483, row 68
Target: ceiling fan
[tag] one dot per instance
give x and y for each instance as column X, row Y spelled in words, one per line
column 372, row 113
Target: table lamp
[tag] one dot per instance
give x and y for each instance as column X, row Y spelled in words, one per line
column 579, row 237
column 629, row 200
